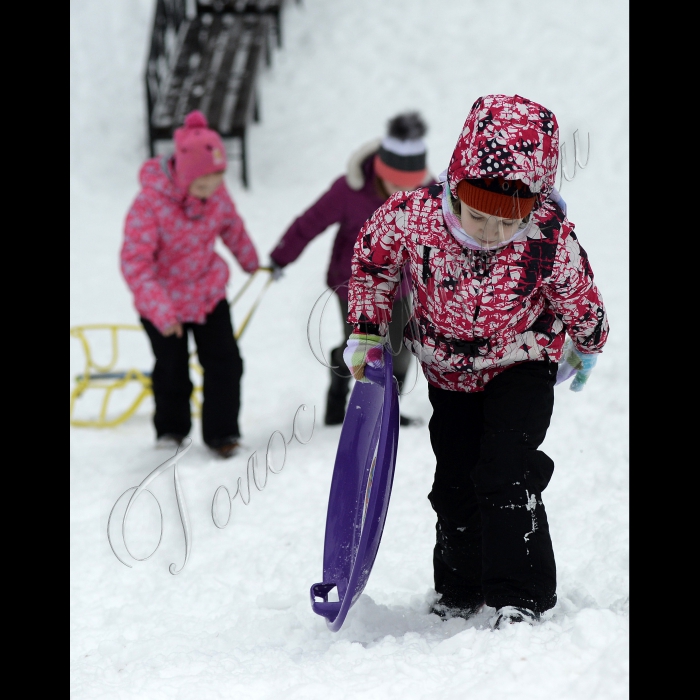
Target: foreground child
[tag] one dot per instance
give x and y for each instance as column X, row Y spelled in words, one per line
column 499, row 279
column 179, row 283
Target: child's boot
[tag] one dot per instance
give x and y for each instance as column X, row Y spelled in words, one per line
column 225, row 447
column 511, row 614
column 338, row 391
column 169, row 441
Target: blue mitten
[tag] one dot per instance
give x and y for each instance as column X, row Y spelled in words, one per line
column 573, row 362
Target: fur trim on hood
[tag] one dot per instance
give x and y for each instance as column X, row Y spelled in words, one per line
column 354, row 176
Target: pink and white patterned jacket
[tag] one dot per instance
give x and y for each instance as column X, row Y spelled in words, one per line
column 477, row 312
column 168, row 257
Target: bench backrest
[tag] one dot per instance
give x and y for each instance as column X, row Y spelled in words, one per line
column 238, row 6
column 168, row 18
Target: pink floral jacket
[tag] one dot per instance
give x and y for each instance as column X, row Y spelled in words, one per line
column 475, row 313
column 168, row 257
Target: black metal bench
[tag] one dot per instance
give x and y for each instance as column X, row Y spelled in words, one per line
column 272, row 8
column 209, row 62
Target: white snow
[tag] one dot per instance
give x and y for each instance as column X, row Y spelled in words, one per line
column 237, row 622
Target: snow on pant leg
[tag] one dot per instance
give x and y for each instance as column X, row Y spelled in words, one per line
column 221, row 361
column 400, row 315
column 455, row 435
column 518, row 560
column 170, row 382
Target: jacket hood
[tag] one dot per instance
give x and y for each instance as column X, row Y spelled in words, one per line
column 157, row 174
column 510, row 137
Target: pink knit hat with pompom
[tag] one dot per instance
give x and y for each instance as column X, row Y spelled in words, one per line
column 198, row 150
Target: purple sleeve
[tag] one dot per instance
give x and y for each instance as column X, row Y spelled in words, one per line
column 326, row 211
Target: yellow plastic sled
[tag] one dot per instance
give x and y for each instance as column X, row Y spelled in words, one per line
column 107, row 378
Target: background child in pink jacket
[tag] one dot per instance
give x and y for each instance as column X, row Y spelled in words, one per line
column 179, row 282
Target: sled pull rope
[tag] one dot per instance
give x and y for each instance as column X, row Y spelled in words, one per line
column 247, row 284
column 249, row 315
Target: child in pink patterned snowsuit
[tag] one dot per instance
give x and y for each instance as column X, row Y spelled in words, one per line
column 499, row 282
column 179, row 282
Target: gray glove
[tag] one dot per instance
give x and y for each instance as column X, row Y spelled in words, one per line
column 276, row 270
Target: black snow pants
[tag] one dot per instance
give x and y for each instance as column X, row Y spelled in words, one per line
column 493, row 542
column 218, row 354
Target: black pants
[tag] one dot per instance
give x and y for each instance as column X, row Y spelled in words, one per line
column 218, row 354
column 493, row 542
column 340, row 375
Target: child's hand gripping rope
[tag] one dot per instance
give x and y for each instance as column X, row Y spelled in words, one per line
column 363, row 349
column 275, row 270
column 574, row 362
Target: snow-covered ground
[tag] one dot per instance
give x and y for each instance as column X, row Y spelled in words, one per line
column 237, row 623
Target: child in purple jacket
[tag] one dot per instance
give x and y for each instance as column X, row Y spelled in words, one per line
column 376, row 171
column 179, row 283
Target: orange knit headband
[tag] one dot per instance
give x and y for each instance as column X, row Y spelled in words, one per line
column 506, row 206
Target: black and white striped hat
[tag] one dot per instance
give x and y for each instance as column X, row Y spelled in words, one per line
column 401, row 159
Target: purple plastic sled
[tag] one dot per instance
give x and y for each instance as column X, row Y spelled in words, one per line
column 360, row 491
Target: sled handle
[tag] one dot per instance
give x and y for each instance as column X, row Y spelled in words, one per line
column 324, row 607
column 375, row 374
column 247, row 284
